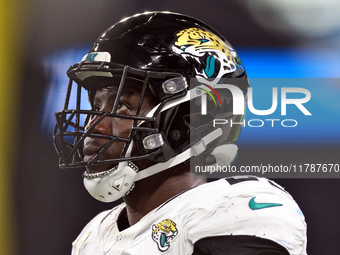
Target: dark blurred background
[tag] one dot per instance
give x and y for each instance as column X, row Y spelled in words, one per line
column 43, row 208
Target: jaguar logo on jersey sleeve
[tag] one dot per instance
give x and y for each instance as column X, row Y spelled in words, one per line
column 212, row 56
column 163, row 233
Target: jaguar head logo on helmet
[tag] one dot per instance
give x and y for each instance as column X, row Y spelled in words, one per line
column 213, row 57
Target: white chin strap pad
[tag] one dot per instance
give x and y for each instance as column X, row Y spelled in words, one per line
column 113, row 184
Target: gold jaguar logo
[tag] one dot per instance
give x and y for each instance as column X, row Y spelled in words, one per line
column 213, row 58
column 164, row 233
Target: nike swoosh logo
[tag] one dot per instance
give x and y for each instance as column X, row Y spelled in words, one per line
column 256, row 206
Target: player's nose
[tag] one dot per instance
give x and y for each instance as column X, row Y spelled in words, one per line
column 99, row 124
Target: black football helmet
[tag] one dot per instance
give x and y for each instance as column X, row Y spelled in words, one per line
column 177, row 60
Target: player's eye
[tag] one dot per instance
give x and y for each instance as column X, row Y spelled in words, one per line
column 122, row 107
column 95, row 107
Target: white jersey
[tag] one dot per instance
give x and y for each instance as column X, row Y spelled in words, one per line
column 246, row 206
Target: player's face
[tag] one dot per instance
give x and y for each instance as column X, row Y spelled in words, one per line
column 103, row 101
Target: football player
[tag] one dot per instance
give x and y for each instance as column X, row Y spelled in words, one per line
column 155, row 82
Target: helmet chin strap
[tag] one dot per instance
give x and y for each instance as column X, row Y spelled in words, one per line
column 224, row 155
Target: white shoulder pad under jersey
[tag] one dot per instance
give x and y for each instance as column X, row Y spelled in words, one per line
column 236, row 206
